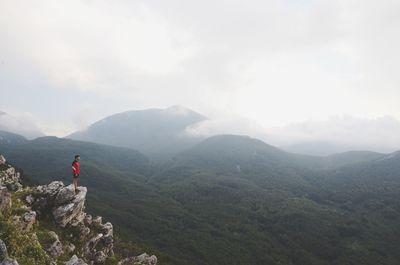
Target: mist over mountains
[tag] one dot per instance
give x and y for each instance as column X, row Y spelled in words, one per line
column 167, row 131
column 152, row 131
column 164, row 132
column 21, row 124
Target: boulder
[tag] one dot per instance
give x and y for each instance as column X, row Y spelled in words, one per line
column 68, row 207
column 107, row 229
column 30, row 199
column 10, row 178
column 27, row 220
column 75, row 261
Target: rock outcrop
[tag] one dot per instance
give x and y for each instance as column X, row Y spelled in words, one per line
column 56, row 248
column 65, row 207
column 9, row 177
column 4, row 260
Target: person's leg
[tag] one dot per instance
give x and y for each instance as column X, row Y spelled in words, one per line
column 74, row 181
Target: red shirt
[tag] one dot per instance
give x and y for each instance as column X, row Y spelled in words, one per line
column 76, row 168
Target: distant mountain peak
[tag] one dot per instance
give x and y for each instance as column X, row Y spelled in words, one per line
column 2, row 113
column 179, row 110
column 151, row 131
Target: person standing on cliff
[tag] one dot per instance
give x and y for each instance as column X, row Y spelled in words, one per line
column 76, row 170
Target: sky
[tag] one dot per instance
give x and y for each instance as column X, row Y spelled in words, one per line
column 272, row 63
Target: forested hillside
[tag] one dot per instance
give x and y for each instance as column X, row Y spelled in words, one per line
column 236, row 200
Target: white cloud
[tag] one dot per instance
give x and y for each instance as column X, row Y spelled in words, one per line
column 347, row 133
column 92, row 45
column 382, row 133
column 272, row 61
column 22, row 124
column 226, row 125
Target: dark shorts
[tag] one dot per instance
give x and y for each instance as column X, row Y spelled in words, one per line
column 75, row 177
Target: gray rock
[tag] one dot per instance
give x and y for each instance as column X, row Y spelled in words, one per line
column 107, row 229
column 100, row 257
column 75, row 261
column 143, row 259
column 84, row 230
column 78, row 219
column 30, row 199
column 89, row 248
column 28, row 219
column 65, row 195
column 63, row 214
column 51, row 189
column 56, row 248
column 29, row 216
column 88, row 219
column 2, row 160
column 3, row 250
column 8, row 261
column 11, row 172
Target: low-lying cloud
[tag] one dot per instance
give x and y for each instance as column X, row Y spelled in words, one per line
column 22, row 124
column 337, row 134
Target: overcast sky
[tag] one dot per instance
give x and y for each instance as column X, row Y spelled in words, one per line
column 65, row 64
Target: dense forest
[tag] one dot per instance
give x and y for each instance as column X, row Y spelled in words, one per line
column 234, row 200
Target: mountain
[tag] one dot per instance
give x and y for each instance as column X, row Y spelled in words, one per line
column 57, row 154
column 240, row 150
column 154, row 132
column 19, row 125
column 272, row 210
column 334, row 161
column 115, row 176
column 237, row 200
column 318, row 148
column 11, row 138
